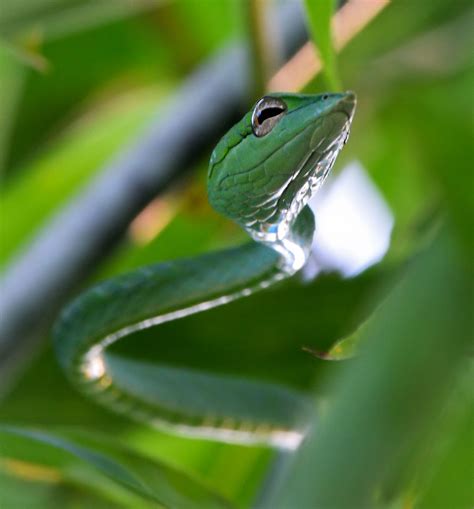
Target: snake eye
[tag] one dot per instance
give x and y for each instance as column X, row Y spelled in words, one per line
column 266, row 114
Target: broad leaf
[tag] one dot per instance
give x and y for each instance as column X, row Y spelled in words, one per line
column 76, row 457
column 388, row 401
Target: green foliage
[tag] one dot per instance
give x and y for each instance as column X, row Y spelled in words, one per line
column 150, row 480
column 57, row 174
column 386, row 403
column 319, row 19
column 81, row 79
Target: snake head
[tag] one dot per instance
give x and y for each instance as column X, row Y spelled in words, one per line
column 266, row 168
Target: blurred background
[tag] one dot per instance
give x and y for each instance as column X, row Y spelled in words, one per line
column 109, row 111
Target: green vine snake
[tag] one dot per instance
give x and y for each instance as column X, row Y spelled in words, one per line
column 261, row 175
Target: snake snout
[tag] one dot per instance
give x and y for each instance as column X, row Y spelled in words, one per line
column 348, row 104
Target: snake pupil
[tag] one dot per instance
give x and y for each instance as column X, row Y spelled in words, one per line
column 268, row 113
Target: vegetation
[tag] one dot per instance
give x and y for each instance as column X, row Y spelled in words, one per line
column 391, row 427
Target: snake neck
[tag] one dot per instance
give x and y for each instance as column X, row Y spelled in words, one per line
column 292, row 240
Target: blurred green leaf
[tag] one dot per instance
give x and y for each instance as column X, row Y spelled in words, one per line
column 449, row 473
column 23, row 485
column 210, row 23
column 319, row 14
column 12, row 76
column 448, row 104
column 128, row 54
column 49, row 181
column 55, row 18
column 398, row 23
column 134, row 44
column 388, row 401
column 153, row 481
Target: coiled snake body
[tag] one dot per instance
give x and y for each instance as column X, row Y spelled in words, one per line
column 262, row 174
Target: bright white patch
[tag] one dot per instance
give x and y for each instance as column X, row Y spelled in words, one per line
column 295, row 253
column 93, row 366
column 353, row 224
column 284, row 439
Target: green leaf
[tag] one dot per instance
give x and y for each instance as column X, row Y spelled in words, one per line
column 448, row 106
column 319, row 14
column 388, row 401
column 125, row 53
column 77, row 457
column 49, row 181
column 450, row 475
column 34, row 487
column 60, row 17
column 12, row 78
